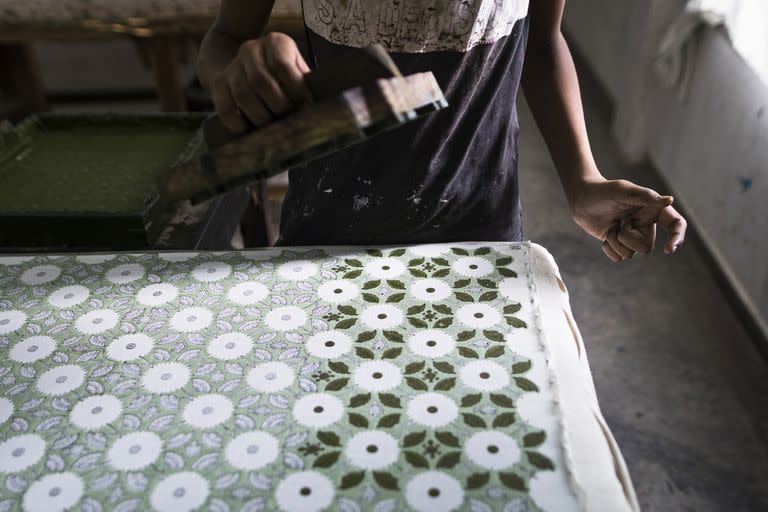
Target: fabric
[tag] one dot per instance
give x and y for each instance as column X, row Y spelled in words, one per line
column 447, row 177
column 413, row 378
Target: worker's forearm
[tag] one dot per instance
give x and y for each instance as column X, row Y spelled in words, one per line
column 218, row 50
column 552, row 90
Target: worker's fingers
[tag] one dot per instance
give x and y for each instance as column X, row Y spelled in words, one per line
column 260, row 79
column 226, row 107
column 613, row 255
column 288, row 67
column 637, row 239
column 246, row 97
column 636, row 195
column 675, row 227
column 621, row 249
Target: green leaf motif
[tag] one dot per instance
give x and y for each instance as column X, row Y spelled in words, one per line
column 417, row 273
column 488, row 296
column 327, row 460
column 366, row 336
column 397, row 252
column 493, row 335
column 464, row 297
column 511, row 309
column 415, row 262
column 444, row 323
column 414, row 438
column 416, row 384
column 364, row 352
column 487, row 283
column 352, row 275
column 470, row 400
column 447, row 438
column 418, row 323
column 336, row 384
column 476, row 480
column 346, row 324
column 442, row 308
column 329, row 438
column 461, row 283
column 358, row 420
column 502, row 400
column 444, row 367
column 354, row 263
column 496, row 351
column 512, row 481
column 391, row 353
column 449, row 460
column 503, row 261
column 516, row 322
column 539, row 460
column 358, row 400
column 397, row 285
column 369, row 297
column 397, row 297
column 506, row 272
column 415, row 459
column 417, row 366
column 521, row 367
column 338, row 367
column 393, row 336
column 465, row 335
column 445, row 384
column 534, row 439
column 415, row 310
column 525, row 384
column 504, row 420
column 473, row 420
column 386, row 480
column 460, row 251
column 442, row 272
column 351, row 480
column 347, row 310
column 468, row 352
column 388, row 421
column 374, row 252
column 482, row 251
column 369, row 285
column 441, row 261
column 390, row 400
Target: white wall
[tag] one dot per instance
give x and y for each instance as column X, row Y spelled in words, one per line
column 710, row 144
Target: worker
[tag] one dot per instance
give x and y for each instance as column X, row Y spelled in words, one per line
column 450, row 176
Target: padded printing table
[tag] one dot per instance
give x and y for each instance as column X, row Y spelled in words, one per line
column 433, row 377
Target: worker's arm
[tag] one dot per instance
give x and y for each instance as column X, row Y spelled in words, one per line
column 621, row 214
column 249, row 74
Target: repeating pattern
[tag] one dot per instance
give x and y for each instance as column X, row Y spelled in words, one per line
column 378, row 379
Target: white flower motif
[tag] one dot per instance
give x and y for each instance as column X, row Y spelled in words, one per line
column 247, row 293
column 180, row 492
column 125, row 273
column 157, row 294
column 130, row 346
column 372, row 450
column 95, row 259
column 6, row 409
column 54, row 492
column 97, row 321
column 230, row 345
column 305, row 491
column 96, row 412
column 252, row 450
column 385, row 268
column 472, row 266
column 191, row 319
column 492, row 450
column 432, row 409
column 484, row 375
column 175, row 257
column 68, row 296
column 32, row 349
column 11, row 321
column 61, row 379
column 318, row 410
column 431, row 343
column 298, row 270
column 375, row 376
column 430, row 250
column 338, row 291
column 270, row 377
column 382, row 316
column 165, row 377
column 40, row 274
column 17, row 453
column 434, row 490
column 286, row 318
column 328, row 344
column 537, row 409
column 478, row 316
column 135, row 451
column 206, row 411
column 430, row 289
column 212, row 271
column 515, row 288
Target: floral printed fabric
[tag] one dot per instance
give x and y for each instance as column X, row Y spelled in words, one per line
column 340, row 379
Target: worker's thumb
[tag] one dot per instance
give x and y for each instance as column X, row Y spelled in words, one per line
column 642, row 196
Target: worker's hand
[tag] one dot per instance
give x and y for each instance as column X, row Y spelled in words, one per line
column 264, row 81
column 624, row 216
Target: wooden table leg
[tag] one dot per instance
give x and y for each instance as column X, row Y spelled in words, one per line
column 20, row 78
column 165, row 58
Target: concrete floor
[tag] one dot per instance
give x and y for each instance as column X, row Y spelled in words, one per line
column 679, row 380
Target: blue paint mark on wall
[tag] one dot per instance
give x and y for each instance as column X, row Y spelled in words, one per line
column 746, row 183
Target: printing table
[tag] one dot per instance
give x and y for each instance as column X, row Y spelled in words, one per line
column 426, row 378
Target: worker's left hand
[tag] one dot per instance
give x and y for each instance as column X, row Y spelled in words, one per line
column 624, row 216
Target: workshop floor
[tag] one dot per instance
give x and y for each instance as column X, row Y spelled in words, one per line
column 680, row 382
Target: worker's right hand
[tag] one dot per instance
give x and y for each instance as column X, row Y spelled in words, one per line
column 265, row 80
